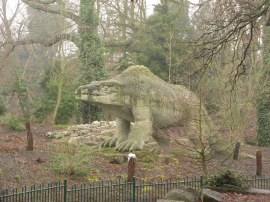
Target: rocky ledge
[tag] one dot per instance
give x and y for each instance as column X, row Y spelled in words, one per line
column 89, row 134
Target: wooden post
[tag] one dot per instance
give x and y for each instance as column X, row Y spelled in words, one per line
column 29, row 146
column 236, row 151
column 131, row 166
column 259, row 163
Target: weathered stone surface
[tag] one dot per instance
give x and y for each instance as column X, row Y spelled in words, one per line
column 186, row 195
column 211, row 196
column 89, row 134
column 257, row 191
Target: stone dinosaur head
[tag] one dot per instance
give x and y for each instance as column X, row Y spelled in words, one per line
column 100, row 92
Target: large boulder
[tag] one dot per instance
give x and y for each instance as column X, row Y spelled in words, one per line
column 211, row 196
column 184, row 194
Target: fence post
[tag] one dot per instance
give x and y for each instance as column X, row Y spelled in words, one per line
column 134, row 189
column 236, row 151
column 201, row 182
column 131, row 166
column 259, row 163
column 65, row 190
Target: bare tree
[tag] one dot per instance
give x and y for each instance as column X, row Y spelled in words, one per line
column 240, row 27
column 233, row 25
column 7, row 36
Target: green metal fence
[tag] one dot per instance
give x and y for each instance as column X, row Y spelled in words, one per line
column 109, row 191
column 259, row 182
column 45, row 192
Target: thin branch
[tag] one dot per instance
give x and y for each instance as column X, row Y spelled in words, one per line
column 8, row 50
column 39, row 5
column 229, row 29
column 67, row 37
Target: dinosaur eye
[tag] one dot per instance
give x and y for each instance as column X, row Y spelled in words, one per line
column 105, row 88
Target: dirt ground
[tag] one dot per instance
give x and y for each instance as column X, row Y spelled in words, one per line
column 19, row 167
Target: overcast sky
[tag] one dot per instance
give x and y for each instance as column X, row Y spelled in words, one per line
column 150, row 5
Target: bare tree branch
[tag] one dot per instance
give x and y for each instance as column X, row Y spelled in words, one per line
column 5, row 30
column 47, row 42
column 231, row 20
column 67, row 37
column 40, row 5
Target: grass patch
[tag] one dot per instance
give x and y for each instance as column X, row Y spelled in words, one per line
column 252, row 142
column 70, row 160
column 13, row 122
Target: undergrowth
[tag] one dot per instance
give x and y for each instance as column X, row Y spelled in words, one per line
column 226, row 177
column 70, row 160
column 13, row 122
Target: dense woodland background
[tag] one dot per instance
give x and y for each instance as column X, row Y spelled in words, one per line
column 217, row 48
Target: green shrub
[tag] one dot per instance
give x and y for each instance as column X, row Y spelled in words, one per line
column 2, row 107
column 70, row 160
column 13, row 122
column 226, row 177
column 252, row 142
column 49, row 93
column 66, row 108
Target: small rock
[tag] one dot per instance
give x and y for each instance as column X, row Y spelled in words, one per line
column 119, row 159
column 83, row 132
column 103, row 123
column 102, row 128
column 49, row 134
column 40, row 160
column 112, row 123
column 58, row 135
column 96, row 124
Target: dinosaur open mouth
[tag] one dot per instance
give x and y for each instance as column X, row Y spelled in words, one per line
column 91, row 94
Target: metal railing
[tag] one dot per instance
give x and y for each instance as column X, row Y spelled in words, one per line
column 109, row 191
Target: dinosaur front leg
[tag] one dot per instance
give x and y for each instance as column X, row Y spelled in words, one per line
column 140, row 130
column 121, row 134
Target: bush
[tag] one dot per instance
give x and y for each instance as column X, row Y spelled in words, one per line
column 227, row 177
column 2, row 107
column 13, row 122
column 49, row 91
column 70, row 160
column 66, row 108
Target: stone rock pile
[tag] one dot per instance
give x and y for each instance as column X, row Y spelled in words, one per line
column 89, row 134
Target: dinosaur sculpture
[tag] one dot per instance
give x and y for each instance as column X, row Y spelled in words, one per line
column 145, row 105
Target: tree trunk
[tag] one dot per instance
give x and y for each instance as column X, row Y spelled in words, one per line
column 30, row 142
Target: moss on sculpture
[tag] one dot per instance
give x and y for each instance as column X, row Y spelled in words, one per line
column 152, row 105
